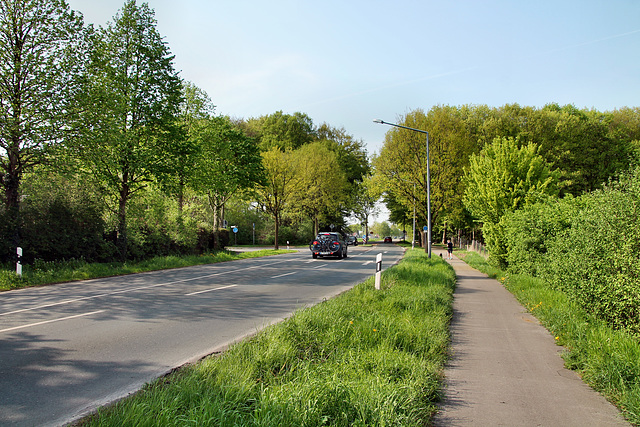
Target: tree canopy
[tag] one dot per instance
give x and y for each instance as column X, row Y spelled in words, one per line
column 42, row 54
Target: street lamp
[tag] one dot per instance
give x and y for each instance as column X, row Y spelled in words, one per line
column 428, row 179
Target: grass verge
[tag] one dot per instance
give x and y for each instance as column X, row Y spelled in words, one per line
column 607, row 359
column 44, row 273
column 366, row 357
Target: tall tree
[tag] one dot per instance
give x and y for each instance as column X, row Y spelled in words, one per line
column 228, row 161
column 502, row 179
column 323, row 185
column 401, row 167
column 195, row 115
column 41, row 52
column 284, row 131
column 281, row 183
column 365, row 197
column 136, row 94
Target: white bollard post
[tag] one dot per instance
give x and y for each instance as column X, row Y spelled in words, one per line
column 19, row 262
column 378, row 270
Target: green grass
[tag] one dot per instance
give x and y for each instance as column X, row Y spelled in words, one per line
column 44, row 273
column 607, row 359
column 366, row 357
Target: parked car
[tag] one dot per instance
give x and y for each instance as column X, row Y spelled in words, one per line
column 388, row 239
column 352, row 240
column 328, row 244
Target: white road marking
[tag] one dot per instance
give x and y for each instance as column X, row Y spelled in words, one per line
column 212, row 289
column 367, row 263
column 139, row 288
column 50, row 321
column 320, row 266
column 282, row 275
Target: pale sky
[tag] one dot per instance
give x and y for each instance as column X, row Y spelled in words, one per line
column 349, row 62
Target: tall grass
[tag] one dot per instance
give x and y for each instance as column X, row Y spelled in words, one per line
column 366, row 357
column 607, row 359
column 43, row 273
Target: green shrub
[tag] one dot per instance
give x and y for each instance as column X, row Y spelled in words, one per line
column 596, row 261
column 587, row 247
column 531, row 232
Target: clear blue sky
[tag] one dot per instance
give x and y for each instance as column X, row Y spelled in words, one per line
column 349, row 62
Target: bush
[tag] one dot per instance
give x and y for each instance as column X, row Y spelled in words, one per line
column 596, row 262
column 532, row 231
column 587, row 247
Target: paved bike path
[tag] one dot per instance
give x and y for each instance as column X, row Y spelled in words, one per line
column 505, row 368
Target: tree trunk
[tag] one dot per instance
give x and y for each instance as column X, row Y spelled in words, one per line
column 277, row 220
column 180, row 197
column 11, row 182
column 122, row 221
column 444, row 234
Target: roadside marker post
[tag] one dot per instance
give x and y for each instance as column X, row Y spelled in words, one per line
column 378, row 270
column 19, row 262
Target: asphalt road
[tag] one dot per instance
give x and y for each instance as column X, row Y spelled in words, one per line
column 67, row 349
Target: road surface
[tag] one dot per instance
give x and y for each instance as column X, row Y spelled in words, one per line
column 67, row 349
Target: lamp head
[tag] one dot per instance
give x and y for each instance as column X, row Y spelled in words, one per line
column 378, row 121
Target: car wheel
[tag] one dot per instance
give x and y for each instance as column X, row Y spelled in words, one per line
column 314, row 256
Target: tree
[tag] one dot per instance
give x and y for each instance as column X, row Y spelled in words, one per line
column 284, row 131
column 132, row 96
column 228, row 161
column 280, row 184
column 195, row 113
column 41, row 51
column 323, row 186
column 365, row 197
column 502, row 179
column 351, row 154
column 401, row 166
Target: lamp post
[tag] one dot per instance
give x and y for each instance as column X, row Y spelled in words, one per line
column 428, row 248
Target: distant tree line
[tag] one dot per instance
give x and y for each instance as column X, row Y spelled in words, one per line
column 582, row 149
column 553, row 192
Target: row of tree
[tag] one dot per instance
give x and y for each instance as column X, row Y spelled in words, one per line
column 487, row 161
column 106, row 153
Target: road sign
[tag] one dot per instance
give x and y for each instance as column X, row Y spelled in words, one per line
column 235, row 229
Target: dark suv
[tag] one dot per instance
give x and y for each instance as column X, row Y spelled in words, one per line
column 328, row 244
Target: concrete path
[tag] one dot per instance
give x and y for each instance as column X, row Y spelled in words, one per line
column 505, row 368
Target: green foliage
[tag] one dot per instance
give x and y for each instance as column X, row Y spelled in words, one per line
column 596, row 260
column 227, row 162
column 584, row 147
column 586, row 247
column 41, row 51
column 284, row 131
column 532, row 231
column 401, row 167
column 502, row 179
column 131, row 104
column 366, row 357
column 323, row 186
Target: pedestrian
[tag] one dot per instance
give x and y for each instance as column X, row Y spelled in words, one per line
column 450, row 249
